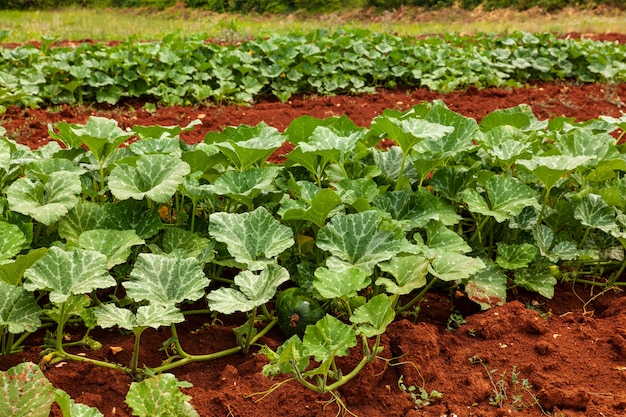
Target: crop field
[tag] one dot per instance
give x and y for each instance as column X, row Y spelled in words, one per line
column 338, row 222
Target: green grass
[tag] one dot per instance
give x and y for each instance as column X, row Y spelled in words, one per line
column 112, row 24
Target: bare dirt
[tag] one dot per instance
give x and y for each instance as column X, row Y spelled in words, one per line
column 530, row 357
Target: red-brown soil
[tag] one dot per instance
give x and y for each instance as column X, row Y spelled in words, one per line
column 570, row 349
column 581, row 102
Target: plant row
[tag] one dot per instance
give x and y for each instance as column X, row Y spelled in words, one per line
column 331, row 245
column 316, row 6
column 190, row 70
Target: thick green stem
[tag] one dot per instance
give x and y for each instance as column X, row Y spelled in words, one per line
column 479, row 229
column 104, row 364
column 401, row 171
column 60, row 326
column 417, row 297
column 196, row 312
column 188, row 358
column 4, row 337
column 196, row 358
column 266, row 313
column 20, row 340
column 134, row 361
column 585, row 235
column 179, row 348
column 543, row 205
column 37, row 233
column 615, row 276
column 366, row 359
column 192, row 214
column 60, row 351
column 101, row 191
column 246, row 346
column 322, row 387
column 10, row 340
column 346, row 303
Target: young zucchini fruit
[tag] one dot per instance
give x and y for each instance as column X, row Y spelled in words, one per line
column 296, row 310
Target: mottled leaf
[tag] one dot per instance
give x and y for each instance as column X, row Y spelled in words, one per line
column 162, row 279
column 68, row 273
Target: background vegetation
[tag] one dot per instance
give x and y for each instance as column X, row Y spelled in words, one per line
column 318, row 6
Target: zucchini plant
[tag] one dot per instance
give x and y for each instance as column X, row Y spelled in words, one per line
column 330, row 245
column 180, row 71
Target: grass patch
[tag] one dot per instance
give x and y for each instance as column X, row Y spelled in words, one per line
column 119, row 24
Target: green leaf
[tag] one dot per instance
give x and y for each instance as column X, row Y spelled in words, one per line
column 550, row 169
column 19, row 311
column 409, row 130
column 132, row 215
column 246, row 185
column 25, row 392
column 454, row 142
column 160, row 396
column 553, row 247
column 84, row 216
column 327, row 142
column 13, row 272
column 487, row 287
column 301, row 128
column 42, row 168
column 70, row 408
column 360, row 239
column 192, row 245
column 390, row 164
column 441, row 239
column 164, row 280
column 357, row 191
column 373, row 317
column 520, row 117
column 114, row 244
column 506, row 144
column 416, row 209
column 409, row 273
column 45, row 202
column 195, row 189
column 243, row 183
column 163, row 132
column 584, row 142
column 592, row 211
column 101, row 135
column 538, row 279
column 318, row 210
column 329, row 338
column 449, row 266
column 11, row 241
column 5, row 152
column 253, row 239
column 515, row 256
column 154, row 176
column 152, row 315
column 251, row 290
column 203, row 157
column 75, row 305
column 507, row 196
column 450, row 181
column 340, row 284
column 68, row 273
column 290, row 357
column 246, row 146
column 165, row 146
column 419, row 130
